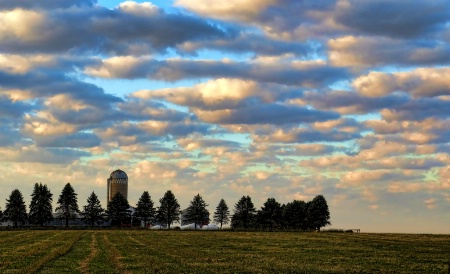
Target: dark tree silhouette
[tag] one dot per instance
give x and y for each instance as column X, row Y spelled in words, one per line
column 244, row 213
column 41, row 205
column 67, row 204
column 118, row 209
column 318, row 213
column 270, row 214
column 145, row 210
column 169, row 209
column 222, row 213
column 93, row 213
column 294, row 215
column 15, row 210
column 196, row 211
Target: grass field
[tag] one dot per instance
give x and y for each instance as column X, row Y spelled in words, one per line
column 139, row 251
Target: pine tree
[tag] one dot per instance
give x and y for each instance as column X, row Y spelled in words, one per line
column 68, row 204
column 169, row 209
column 41, row 205
column 318, row 213
column 270, row 214
column 197, row 212
column 222, row 213
column 145, row 210
column 15, row 210
column 118, row 209
column 93, row 212
column 244, row 213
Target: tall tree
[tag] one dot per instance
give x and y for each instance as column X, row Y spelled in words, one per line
column 294, row 215
column 318, row 213
column 197, row 212
column 270, row 215
column 93, row 212
column 67, row 204
column 222, row 213
column 145, row 210
column 244, row 213
column 41, row 205
column 118, row 209
column 1, row 215
column 169, row 209
column 15, row 210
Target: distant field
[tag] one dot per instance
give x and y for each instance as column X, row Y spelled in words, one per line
column 138, row 251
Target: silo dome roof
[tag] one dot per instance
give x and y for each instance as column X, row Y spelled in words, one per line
column 119, row 174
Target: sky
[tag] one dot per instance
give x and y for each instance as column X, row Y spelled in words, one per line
column 269, row 98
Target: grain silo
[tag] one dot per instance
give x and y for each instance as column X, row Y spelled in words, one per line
column 117, row 182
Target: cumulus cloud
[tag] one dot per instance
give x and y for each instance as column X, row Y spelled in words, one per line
column 372, row 17
column 421, row 82
column 296, row 73
column 382, row 51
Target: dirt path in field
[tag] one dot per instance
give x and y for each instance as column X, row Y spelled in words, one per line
column 84, row 268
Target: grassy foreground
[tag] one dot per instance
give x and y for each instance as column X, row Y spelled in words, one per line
column 139, row 251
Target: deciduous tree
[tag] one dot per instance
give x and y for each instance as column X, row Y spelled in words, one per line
column 67, row 204
column 41, row 205
column 244, row 213
column 145, row 210
column 169, row 209
column 294, row 215
column 15, row 209
column 196, row 211
column 93, row 213
column 222, row 213
column 318, row 213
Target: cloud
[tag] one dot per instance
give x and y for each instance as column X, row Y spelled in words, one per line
column 374, row 18
column 45, row 4
column 147, row 30
column 11, row 109
column 295, row 73
column 421, row 82
column 346, row 102
column 383, row 51
column 221, row 94
column 32, row 154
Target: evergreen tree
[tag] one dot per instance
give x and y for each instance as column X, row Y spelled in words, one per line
column 118, row 209
column 93, row 212
column 15, row 210
column 197, row 212
column 244, row 213
column 41, row 205
column 68, row 204
column 222, row 213
column 294, row 215
column 169, row 209
column 270, row 215
column 318, row 213
column 145, row 210
column 1, row 215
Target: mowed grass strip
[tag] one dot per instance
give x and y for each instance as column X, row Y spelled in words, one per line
column 147, row 251
column 71, row 261
column 18, row 253
column 93, row 249
column 31, row 256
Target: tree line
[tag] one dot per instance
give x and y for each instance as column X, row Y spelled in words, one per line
column 297, row 215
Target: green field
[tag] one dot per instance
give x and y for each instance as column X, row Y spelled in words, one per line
column 143, row 251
